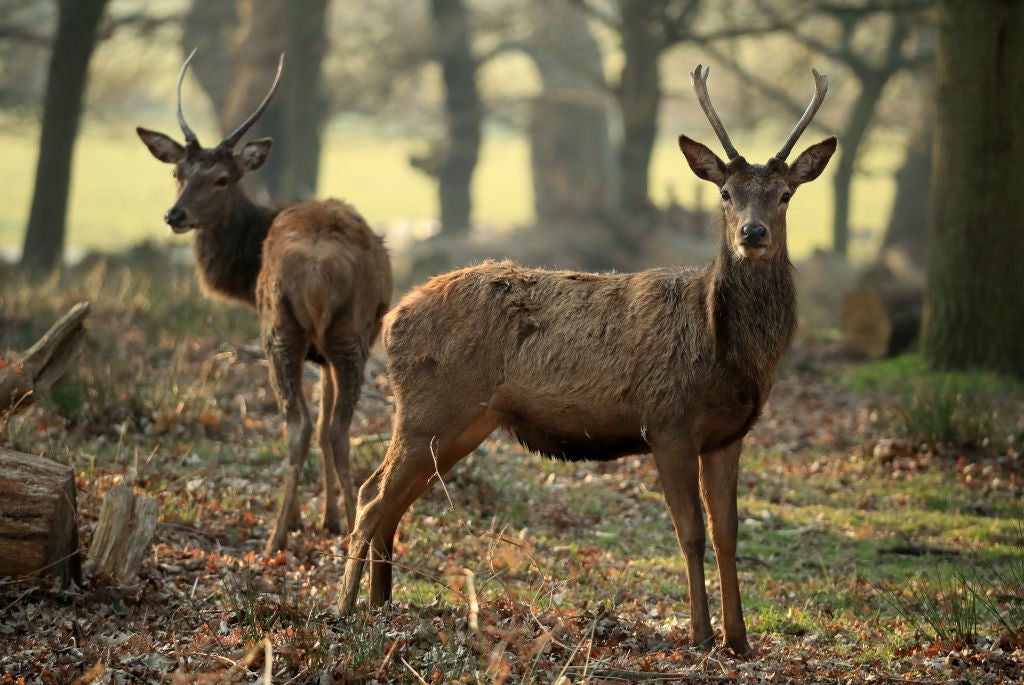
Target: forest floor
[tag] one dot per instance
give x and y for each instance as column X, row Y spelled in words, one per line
column 863, row 557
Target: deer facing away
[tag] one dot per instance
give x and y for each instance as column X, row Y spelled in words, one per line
column 677, row 362
column 317, row 276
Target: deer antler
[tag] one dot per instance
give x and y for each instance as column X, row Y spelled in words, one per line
column 237, row 134
column 190, row 136
column 820, row 88
column 698, row 79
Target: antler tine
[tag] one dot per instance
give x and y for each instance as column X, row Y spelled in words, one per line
column 190, row 136
column 820, row 88
column 698, row 79
column 235, row 136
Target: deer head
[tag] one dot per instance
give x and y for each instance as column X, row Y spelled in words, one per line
column 207, row 178
column 755, row 196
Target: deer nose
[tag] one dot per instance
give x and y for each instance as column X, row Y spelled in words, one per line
column 754, row 232
column 174, row 216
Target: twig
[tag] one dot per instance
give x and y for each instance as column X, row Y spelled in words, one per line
column 437, row 472
column 412, row 670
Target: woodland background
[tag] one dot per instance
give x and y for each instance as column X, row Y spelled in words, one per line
column 881, row 535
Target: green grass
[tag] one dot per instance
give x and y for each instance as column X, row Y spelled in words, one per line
column 119, row 192
column 562, row 553
column 967, row 409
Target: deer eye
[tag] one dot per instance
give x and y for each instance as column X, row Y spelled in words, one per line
column 725, row 196
column 221, row 181
column 785, row 198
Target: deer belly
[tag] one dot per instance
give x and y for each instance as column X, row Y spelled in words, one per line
column 562, row 429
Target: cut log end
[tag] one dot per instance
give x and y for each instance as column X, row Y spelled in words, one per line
column 38, row 518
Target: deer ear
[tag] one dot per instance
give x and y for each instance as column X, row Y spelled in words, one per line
column 254, row 154
column 162, row 147
column 703, row 161
column 811, row 162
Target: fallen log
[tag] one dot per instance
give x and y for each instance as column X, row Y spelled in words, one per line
column 24, row 381
column 38, row 518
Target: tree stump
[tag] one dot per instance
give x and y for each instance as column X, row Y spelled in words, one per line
column 125, row 529
column 38, row 518
column 880, row 323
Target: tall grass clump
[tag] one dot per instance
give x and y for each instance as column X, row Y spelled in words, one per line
column 965, row 409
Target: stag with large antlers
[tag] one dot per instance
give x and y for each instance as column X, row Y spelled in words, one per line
column 676, row 362
column 317, row 276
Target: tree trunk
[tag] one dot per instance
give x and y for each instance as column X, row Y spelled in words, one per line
column 463, row 114
column 38, row 518
column 872, row 83
column 907, row 232
column 257, row 45
column 65, row 90
column 973, row 309
column 570, row 151
column 303, row 101
column 639, row 94
column 208, row 26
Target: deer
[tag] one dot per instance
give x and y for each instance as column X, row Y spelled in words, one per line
column 318, row 278
column 676, row 362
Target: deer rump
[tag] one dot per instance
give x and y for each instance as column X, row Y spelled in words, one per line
column 566, row 361
column 318, row 247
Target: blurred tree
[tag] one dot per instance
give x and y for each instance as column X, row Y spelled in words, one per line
column 208, row 27
column 647, row 29
column 266, row 30
column 974, row 309
column 907, row 230
column 874, row 41
column 453, row 161
column 73, row 46
column 26, row 33
column 570, row 149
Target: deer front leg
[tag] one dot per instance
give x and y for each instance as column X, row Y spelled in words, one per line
column 719, row 472
column 679, row 471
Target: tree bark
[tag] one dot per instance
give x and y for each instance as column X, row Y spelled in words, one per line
column 257, row 45
column 208, row 26
column 639, row 94
column 973, row 309
column 570, row 151
column 463, row 115
column 303, row 101
column 38, row 518
column 65, row 90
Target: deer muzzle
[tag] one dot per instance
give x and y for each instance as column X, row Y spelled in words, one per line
column 177, row 219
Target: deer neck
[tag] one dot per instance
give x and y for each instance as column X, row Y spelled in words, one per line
column 752, row 310
column 229, row 257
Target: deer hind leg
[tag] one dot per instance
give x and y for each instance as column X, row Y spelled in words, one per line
column 414, row 460
column 719, row 472
column 346, row 376
column 331, row 519
column 679, row 472
column 286, row 352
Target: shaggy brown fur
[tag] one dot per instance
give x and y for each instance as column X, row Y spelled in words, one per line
column 677, row 362
column 320, row 281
